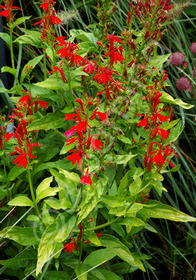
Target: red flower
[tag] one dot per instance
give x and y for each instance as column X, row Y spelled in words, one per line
column 96, row 144
column 43, row 104
column 69, row 246
column 55, row 69
column 22, row 158
column 104, row 75
column 86, row 180
column 7, row 10
column 103, row 116
column 76, row 157
column 143, row 122
column 47, row 4
column 89, row 68
column 157, row 130
column 1, row 142
column 8, row 136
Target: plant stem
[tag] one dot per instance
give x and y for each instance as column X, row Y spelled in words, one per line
column 32, row 194
column 11, row 48
column 99, row 227
column 5, row 174
column 45, row 70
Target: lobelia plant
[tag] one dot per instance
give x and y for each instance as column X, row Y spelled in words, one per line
column 90, row 144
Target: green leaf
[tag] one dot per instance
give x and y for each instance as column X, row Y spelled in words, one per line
column 44, row 189
column 130, row 222
column 176, row 168
column 86, row 47
column 169, row 99
column 84, row 36
column 22, row 235
column 124, row 159
column 113, row 201
column 5, row 37
column 15, row 172
column 136, row 207
column 30, row 66
column 109, row 275
column 19, row 21
column 159, row 61
column 9, row 70
column 49, row 121
column 175, row 132
column 21, row 200
column 57, row 275
column 122, row 189
column 82, row 272
column 117, row 247
column 54, row 234
column 136, row 186
column 91, row 196
column 70, row 175
column 93, row 238
column 169, row 125
column 159, row 210
column 124, row 139
column 33, row 40
column 52, row 83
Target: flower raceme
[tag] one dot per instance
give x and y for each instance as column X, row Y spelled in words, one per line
column 82, row 137
column 48, row 20
column 69, row 52
column 152, row 121
column 25, row 148
column 7, row 10
column 21, row 113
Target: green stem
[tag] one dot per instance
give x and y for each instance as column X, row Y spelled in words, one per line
column 11, row 48
column 32, row 194
column 99, row 227
column 5, row 174
column 12, row 54
column 45, row 70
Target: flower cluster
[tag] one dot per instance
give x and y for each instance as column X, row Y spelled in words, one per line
column 83, row 138
column 22, row 114
column 48, row 20
column 7, row 10
column 157, row 151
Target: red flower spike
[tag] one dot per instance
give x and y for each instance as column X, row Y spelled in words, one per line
column 81, row 104
column 69, row 246
column 76, row 157
column 7, row 10
column 21, row 159
column 86, row 179
column 8, row 136
column 96, row 144
column 60, row 70
column 143, row 122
